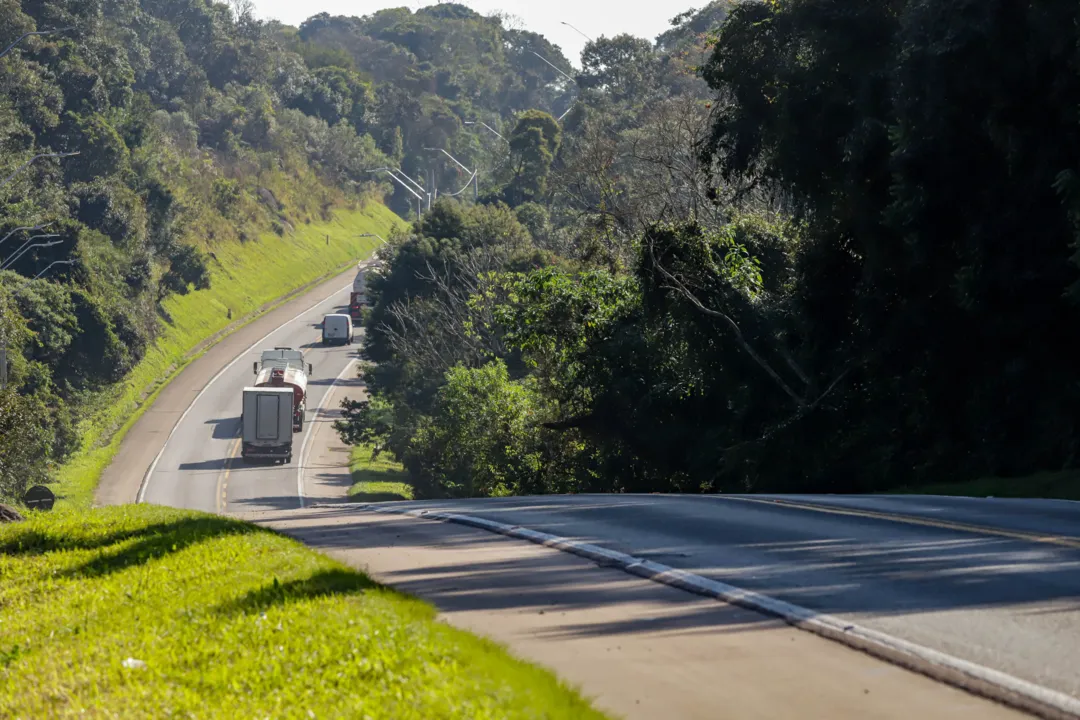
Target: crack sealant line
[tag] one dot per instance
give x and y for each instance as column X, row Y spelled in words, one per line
column 141, row 496
column 312, row 430
column 977, row 679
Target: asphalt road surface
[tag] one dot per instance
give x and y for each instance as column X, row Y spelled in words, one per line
column 991, row 595
column 995, row 582
column 201, row 468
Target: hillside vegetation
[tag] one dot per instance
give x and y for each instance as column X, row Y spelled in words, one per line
column 803, row 246
column 164, row 166
column 144, row 612
column 800, row 245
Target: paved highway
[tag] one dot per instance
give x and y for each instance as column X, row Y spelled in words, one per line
column 994, row 596
column 200, row 467
column 994, row 582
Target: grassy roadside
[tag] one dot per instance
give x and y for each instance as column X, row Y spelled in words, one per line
column 378, row 480
column 147, row 612
column 1063, row 485
column 244, row 278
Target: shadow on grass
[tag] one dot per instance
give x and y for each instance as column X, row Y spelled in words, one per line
column 321, row 584
column 151, row 542
column 375, row 497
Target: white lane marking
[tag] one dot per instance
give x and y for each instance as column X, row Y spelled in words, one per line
column 828, row 626
column 307, row 440
column 141, row 497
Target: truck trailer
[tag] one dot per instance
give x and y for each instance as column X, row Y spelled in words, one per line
column 267, row 424
column 359, row 298
column 284, row 367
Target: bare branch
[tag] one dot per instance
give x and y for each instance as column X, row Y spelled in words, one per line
column 678, row 286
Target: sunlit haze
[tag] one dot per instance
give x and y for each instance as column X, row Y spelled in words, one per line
column 594, row 18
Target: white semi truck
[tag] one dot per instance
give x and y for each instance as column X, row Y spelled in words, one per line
column 268, row 424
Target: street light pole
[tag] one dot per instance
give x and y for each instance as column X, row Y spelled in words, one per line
column 32, row 160
column 484, row 124
column 36, row 32
column 577, row 31
column 475, row 174
column 553, row 66
column 398, row 171
column 27, row 248
column 31, row 228
column 560, row 118
column 401, row 182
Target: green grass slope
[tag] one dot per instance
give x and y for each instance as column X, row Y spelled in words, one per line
column 245, row 277
column 148, row 612
column 377, row 480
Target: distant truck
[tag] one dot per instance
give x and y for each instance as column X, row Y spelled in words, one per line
column 285, row 368
column 267, row 424
column 358, row 298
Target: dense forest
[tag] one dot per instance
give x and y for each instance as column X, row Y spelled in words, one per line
column 796, row 245
column 135, row 139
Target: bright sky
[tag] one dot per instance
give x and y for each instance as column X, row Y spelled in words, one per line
column 592, row 17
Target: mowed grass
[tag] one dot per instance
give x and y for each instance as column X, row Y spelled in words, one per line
column 148, row 612
column 378, row 480
column 245, row 277
column 1063, row 485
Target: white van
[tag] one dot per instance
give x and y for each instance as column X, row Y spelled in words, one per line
column 337, row 329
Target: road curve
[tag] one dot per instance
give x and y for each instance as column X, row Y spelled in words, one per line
column 1009, row 604
column 200, row 467
column 994, row 582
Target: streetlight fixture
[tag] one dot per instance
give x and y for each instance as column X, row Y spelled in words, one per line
column 554, row 67
column 36, row 32
column 484, row 124
column 399, row 181
column 27, row 247
column 560, row 118
column 32, row 160
column 475, row 174
column 577, row 31
column 52, row 265
column 31, row 228
column 398, row 172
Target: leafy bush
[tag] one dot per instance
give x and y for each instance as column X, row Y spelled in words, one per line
column 25, row 444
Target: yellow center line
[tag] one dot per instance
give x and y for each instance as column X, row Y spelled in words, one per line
column 1061, row 540
column 223, row 479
